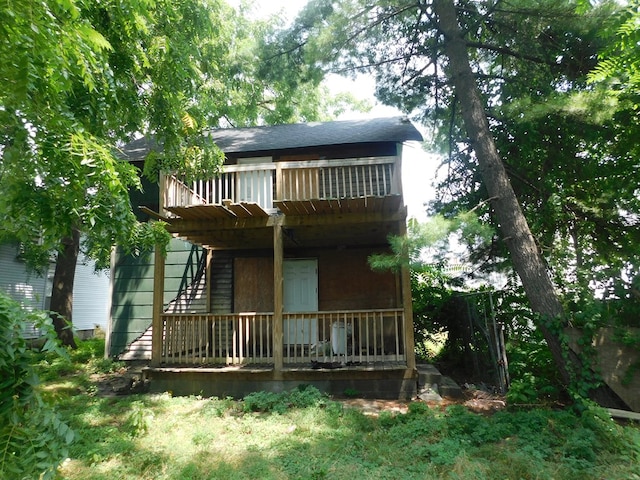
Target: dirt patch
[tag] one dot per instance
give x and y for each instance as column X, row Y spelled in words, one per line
column 128, row 380
column 125, row 381
column 474, row 399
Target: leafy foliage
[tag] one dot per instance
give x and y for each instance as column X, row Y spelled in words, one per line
column 33, row 438
column 86, row 360
column 619, row 61
column 106, row 71
column 302, row 397
column 434, row 282
column 568, row 145
column 163, row 437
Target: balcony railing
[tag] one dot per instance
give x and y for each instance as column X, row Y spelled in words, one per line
column 300, row 180
column 345, row 337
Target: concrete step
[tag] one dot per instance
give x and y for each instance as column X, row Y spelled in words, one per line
column 432, row 385
column 449, row 388
column 428, row 375
column 135, row 355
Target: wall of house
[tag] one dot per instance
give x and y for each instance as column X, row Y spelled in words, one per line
column 26, row 287
column 325, row 152
column 132, row 291
column 90, row 297
column 345, row 281
column 33, row 291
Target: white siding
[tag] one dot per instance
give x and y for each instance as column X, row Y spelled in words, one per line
column 28, row 288
column 90, row 292
column 90, row 296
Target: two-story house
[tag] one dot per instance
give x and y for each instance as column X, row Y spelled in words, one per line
column 285, row 295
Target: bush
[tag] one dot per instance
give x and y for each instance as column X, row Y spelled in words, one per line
column 302, row 397
column 33, row 439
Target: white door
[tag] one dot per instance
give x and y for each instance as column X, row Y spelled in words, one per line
column 300, row 295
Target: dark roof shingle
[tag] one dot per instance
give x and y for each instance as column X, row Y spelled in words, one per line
column 299, row 135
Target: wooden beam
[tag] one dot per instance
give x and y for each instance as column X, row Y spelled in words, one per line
column 278, row 300
column 180, row 226
column 162, row 194
column 407, row 305
column 158, row 307
column 208, row 276
column 153, row 214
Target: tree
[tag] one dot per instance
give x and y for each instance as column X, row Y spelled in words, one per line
column 82, row 78
column 514, row 227
column 456, row 69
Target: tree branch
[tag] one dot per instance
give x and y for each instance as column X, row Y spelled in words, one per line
column 509, row 52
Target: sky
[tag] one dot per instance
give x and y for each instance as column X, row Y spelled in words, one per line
column 418, row 166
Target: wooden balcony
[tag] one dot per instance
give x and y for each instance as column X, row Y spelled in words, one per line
column 313, row 339
column 284, row 184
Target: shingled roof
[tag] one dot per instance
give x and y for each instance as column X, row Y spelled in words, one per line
column 299, row 135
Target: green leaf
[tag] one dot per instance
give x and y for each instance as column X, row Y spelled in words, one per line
column 94, row 38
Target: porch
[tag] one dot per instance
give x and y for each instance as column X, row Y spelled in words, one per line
column 358, row 351
column 317, row 340
column 265, row 214
column 258, row 189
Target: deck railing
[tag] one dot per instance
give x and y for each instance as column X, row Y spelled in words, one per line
column 229, row 339
column 295, row 180
column 348, row 336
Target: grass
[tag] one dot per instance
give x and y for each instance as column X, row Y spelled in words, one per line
column 302, row 434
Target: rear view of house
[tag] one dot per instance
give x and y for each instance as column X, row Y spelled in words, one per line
column 281, row 292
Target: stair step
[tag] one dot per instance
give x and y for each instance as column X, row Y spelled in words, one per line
column 135, row 355
column 428, row 375
column 430, row 394
column 449, row 388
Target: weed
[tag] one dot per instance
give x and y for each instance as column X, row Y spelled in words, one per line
column 139, row 419
column 302, row 397
column 418, row 408
column 303, row 434
column 351, row 393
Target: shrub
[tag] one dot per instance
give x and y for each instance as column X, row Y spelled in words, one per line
column 33, row 439
column 302, row 397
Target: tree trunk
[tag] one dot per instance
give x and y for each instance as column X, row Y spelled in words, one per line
column 522, row 247
column 62, row 293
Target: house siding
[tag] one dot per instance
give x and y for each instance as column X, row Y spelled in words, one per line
column 90, row 289
column 28, row 288
column 90, row 297
column 132, row 290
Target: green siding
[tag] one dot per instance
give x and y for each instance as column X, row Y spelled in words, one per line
column 132, row 299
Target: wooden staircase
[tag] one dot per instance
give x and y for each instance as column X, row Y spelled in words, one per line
column 191, row 299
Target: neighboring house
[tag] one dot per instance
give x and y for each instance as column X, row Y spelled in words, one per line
column 285, row 294
column 33, row 291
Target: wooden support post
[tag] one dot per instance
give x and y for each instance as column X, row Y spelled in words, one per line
column 162, row 194
column 278, row 300
column 407, row 305
column 158, row 307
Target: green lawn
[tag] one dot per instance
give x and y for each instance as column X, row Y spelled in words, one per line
column 304, row 435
